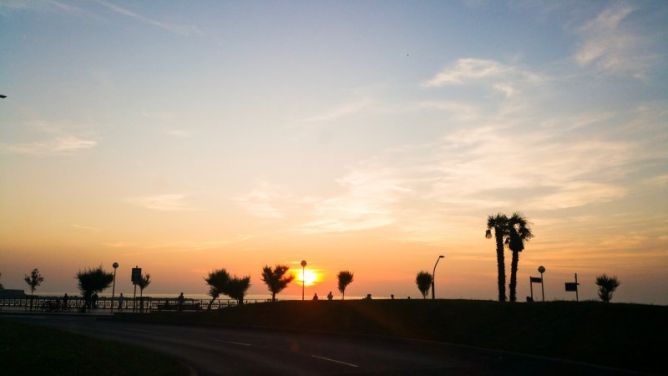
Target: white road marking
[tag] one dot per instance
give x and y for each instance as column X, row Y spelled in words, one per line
column 232, row 342
column 334, row 361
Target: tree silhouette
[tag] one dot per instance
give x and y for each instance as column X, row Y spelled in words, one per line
column 500, row 225
column 143, row 283
column 33, row 280
column 606, row 286
column 423, row 281
column 217, row 281
column 518, row 233
column 92, row 281
column 1, row 286
column 345, row 278
column 276, row 279
column 236, row 288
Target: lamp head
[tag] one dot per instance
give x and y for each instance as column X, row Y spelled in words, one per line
column 541, row 269
column 303, row 263
column 115, row 265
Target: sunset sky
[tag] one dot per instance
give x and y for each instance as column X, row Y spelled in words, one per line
column 185, row 136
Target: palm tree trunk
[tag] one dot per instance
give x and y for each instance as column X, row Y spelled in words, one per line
column 273, row 296
column 343, row 295
column 210, row 304
column 513, row 276
column 501, row 264
column 141, row 300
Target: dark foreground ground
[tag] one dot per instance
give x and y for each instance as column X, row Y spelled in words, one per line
column 33, row 350
column 627, row 336
column 230, row 351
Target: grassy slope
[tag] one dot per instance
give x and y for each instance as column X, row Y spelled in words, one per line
column 621, row 335
column 32, row 350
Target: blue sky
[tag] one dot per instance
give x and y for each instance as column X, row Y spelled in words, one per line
column 275, row 130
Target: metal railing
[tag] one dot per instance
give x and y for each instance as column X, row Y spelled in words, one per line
column 145, row 304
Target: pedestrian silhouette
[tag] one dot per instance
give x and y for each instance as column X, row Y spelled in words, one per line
column 315, row 296
column 392, row 296
column 330, row 296
column 94, row 301
column 65, row 298
column 121, row 299
column 180, row 301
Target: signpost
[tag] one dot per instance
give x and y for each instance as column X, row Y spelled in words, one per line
column 573, row 286
column 136, row 277
column 533, row 280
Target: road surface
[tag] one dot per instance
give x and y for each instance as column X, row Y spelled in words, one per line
column 223, row 351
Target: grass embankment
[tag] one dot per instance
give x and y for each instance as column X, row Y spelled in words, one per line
column 629, row 336
column 36, row 350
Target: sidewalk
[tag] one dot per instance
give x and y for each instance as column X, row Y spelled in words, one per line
column 15, row 311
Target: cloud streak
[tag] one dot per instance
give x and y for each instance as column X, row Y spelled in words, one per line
column 163, row 202
column 174, row 28
column 58, row 146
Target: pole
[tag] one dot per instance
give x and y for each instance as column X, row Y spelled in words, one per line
column 577, row 298
column 531, row 286
column 113, row 288
column 134, row 300
column 433, row 278
column 542, row 285
column 303, row 264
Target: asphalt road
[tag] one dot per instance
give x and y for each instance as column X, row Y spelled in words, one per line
column 221, row 351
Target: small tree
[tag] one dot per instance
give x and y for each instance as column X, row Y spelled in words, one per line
column 217, row 281
column 423, row 281
column 33, row 280
column 92, row 281
column 606, row 286
column 276, row 279
column 143, row 283
column 345, row 278
column 236, row 288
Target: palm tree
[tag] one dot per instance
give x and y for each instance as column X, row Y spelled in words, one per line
column 143, row 283
column 217, row 281
column 276, row 279
column 92, row 281
column 33, row 280
column 518, row 232
column 423, row 281
column 500, row 225
column 236, row 288
column 345, row 278
column 606, row 286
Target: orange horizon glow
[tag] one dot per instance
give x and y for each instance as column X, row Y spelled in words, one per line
column 309, row 277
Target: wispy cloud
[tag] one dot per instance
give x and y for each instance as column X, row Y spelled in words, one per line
column 171, row 27
column 178, row 133
column 343, row 110
column 262, row 201
column 501, row 77
column 163, row 202
column 58, row 146
column 610, row 47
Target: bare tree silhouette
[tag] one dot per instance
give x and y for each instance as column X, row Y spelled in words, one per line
column 423, row 281
column 345, row 278
column 518, row 233
column 606, row 286
column 276, row 280
column 500, row 225
column 236, row 288
column 143, row 283
column 92, row 281
column 217, row 281
column 34, row 279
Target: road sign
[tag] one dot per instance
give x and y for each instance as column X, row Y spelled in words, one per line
column 536, row 279
column 571, row 286
column 136, row 275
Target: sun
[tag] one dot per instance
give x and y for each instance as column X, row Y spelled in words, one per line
column 310, row 276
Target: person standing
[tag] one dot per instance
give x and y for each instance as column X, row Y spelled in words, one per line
column 180, row 301
column 65, row 298
column 330, row 296
column 121, row 300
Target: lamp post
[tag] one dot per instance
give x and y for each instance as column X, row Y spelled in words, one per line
column 433, row 278
column 541, row 270
column 303, row 263
column 113, row 288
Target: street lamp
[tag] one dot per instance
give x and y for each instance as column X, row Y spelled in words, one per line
column 541, row 270
column 113, row 288
column 433, row 278
column 303, row 263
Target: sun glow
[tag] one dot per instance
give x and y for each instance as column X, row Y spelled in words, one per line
column 309, row 278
